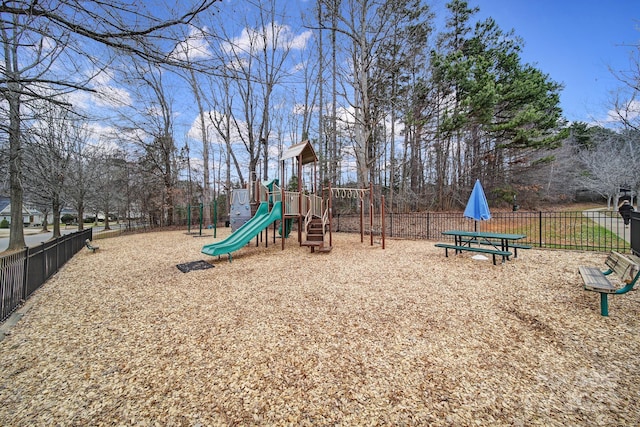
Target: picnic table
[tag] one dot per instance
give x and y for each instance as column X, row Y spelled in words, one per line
column 499, row 244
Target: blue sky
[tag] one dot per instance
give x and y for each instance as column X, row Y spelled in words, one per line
column 575, row 42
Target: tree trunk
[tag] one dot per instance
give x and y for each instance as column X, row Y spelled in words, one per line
column 16, row 236
column 55, row 210
column 80, row 218
column 206, row 196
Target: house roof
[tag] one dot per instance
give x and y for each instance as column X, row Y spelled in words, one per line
column 5, row 207
column 4, row 203
column 304, row 150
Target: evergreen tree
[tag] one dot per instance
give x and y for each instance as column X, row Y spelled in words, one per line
column 495, row 108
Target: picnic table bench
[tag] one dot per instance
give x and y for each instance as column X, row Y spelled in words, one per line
column 512, row 245
column 460, row 248
column 91, row 247
column 625, row 267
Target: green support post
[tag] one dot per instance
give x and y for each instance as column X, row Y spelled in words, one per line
column 604, row 303
column 188, row 218
column 215, row 218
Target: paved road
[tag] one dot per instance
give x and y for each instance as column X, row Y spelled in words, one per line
column 32, row 236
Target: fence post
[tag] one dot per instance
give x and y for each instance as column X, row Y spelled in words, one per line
column 635, row 233
column 44, row 262
column 25, row 273
column 540, row 228
column 58, row 240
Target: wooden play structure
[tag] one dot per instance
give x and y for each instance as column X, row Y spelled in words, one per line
column 307, row 207
column 314, row 212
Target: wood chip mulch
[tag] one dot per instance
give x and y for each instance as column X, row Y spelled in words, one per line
column 357, row 336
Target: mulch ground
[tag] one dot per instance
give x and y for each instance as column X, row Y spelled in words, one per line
column 357, row 336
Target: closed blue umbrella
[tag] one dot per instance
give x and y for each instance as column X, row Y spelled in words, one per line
column 477, row 206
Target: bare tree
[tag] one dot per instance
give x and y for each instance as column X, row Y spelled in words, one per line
column 626, row 109
column 81, row 178
column 626, row 101
column 368, row 27
column 48, row 153
column 222, row 121
column 110, row 190
column 606, row 167
column 147, row 128
column 255, row 64
column 192, row 50
column 44, row 45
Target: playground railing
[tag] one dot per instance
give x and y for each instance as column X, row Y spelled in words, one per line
column 315, row 205
column 263, row 192
column 276, row 194
column 304, row 204
column 291, row 203
column 307, row 220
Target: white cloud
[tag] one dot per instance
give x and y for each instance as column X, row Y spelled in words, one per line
column 195, row 131
column 194, row 47
column 274, row 37
column 629, row 112
column 299, row 67
column 300, row 41
column 111, row 97
column 103, row 77
column 105, row 94
column 102, row 137
column 80, row 99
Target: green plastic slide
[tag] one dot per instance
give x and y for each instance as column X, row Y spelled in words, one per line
column 261, row 220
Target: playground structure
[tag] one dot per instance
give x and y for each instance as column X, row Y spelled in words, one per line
column 310, row 210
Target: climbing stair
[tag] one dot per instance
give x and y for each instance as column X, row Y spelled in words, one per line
column 315, row 236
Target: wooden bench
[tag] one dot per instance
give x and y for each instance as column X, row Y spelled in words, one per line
column 91, row 247
column 494, row 252
column 625, row 267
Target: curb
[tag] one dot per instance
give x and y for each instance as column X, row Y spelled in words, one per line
column 14, row 318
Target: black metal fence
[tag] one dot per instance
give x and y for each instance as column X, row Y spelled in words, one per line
column 577, row 230
column 23, row 272
column 635, row 232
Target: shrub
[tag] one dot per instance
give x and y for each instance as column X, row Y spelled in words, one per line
column 4, row 223
column 67, row 219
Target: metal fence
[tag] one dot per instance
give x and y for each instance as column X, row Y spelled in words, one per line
column 23, row 272
column 635, row 232
column 576, row 230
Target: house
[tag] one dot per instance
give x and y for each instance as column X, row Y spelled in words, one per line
column 37, row 217
column 5, row 212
